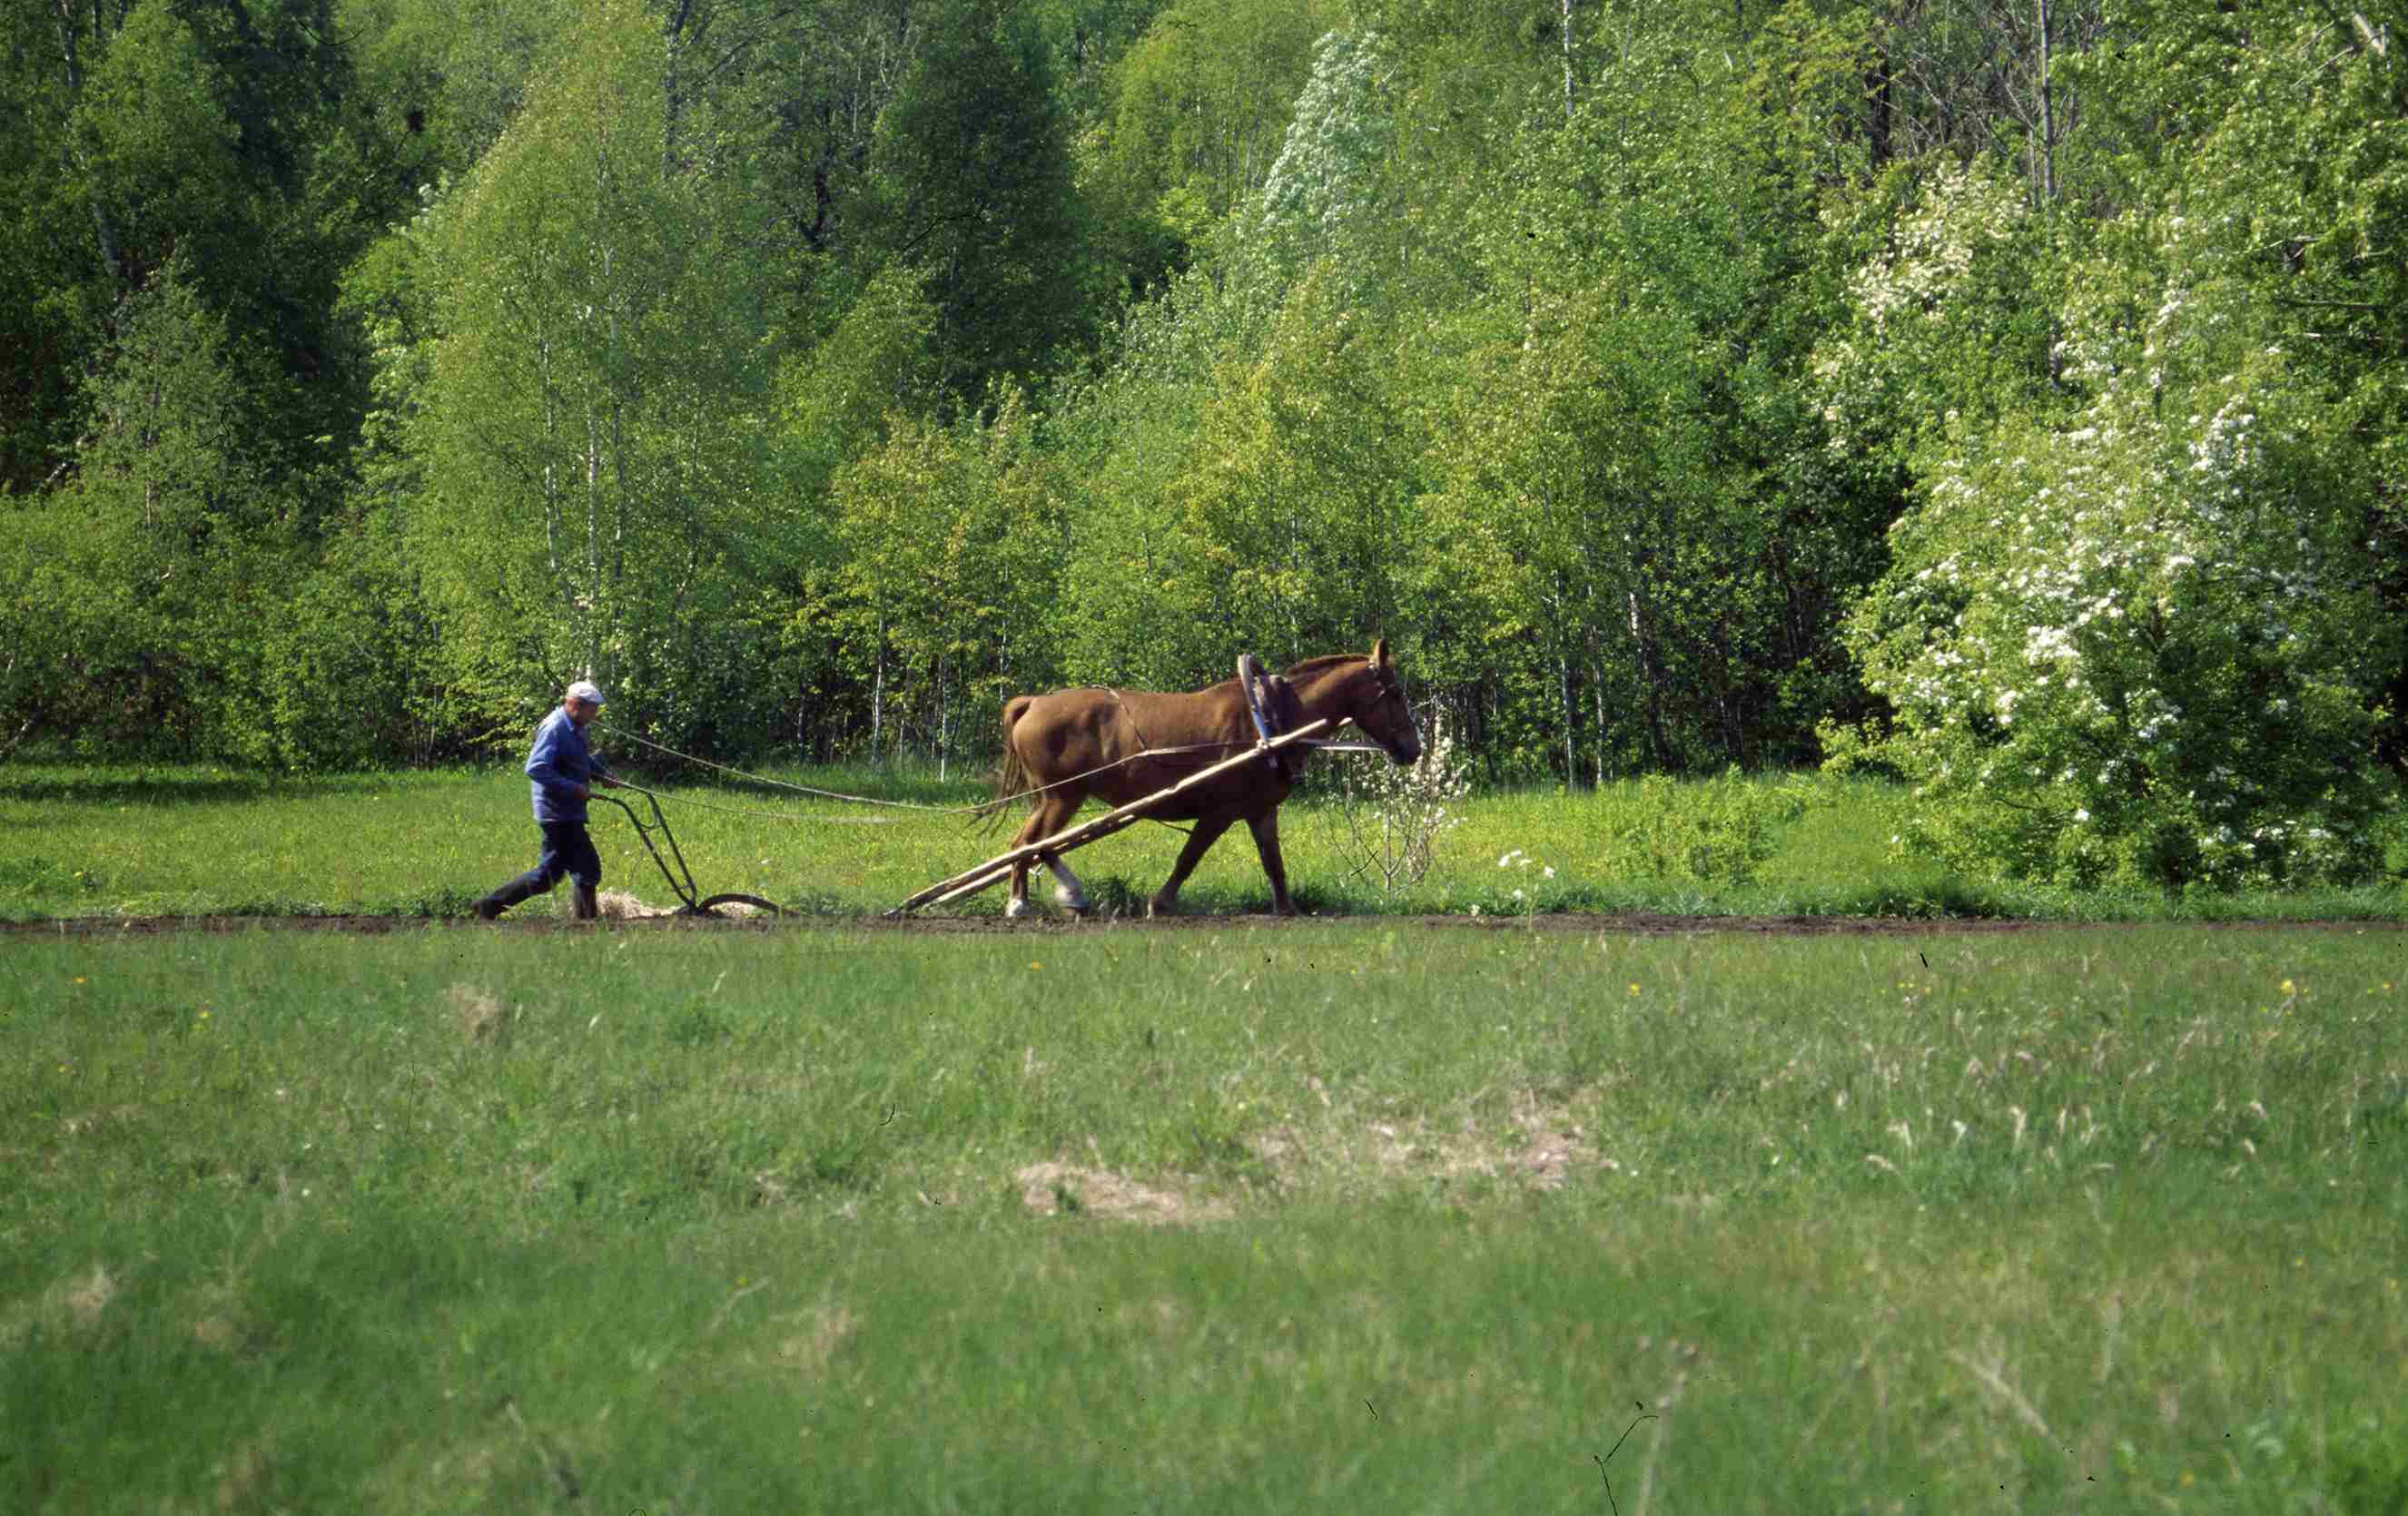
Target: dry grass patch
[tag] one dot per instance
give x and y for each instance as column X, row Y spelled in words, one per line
column 91, row 1121
column 1538, row 1145
column 479, row 1014
column 627, row 905
column 824, row 1331
column 87, row 1297
column 78, row 1301
column 622, row 904
column 1059, row 1189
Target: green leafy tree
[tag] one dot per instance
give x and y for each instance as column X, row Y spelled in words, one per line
column 145, row 573
column 1950, row 323
column 842, row 398
column 228, row 135
column 451, row 75
column 2262, row 166
column 346, row 661
column 1201, row 106
column 1663, row 537
column 953, row 543
column 45, row 234
column 1284, row 516
column 1322, row 194
column 1580, row 497
column 2145, row 627
column 971, row 188
column 184, row 183
column 591, row 426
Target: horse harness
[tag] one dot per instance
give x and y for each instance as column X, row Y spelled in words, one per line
column 1267, row 696
column 1143, row 745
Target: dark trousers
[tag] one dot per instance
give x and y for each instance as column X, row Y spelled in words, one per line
column 566, row 851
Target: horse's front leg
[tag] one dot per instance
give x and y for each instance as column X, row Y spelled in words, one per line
column 1200, row 838
column 1266, row 842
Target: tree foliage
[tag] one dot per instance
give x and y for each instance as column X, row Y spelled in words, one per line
column 2143, row 625
column 951, row 544
column 970, row 173
column 2136, row 648
column 596, row 378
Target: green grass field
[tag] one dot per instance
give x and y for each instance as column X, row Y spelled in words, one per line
column 1368, row 1216
column 114, row 842
column 1506, row 1211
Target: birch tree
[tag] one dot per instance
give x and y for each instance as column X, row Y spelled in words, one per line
column 592, row 426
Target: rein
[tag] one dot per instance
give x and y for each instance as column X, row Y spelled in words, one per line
column 908, row 805
column 1265, row 727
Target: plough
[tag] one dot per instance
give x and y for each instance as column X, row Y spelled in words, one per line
column 682, row 881
column 994, row 869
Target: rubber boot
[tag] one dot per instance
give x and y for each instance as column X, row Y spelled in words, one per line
column 583, row 904
column 521, row 888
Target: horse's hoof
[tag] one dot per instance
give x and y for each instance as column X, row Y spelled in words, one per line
column 1015, row 910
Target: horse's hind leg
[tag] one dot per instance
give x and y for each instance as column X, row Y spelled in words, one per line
column 1066, row 889
column 1017, row 905
column 1029, row 831
column 1044, row 820
column 1267, row 843
column 1200, row 838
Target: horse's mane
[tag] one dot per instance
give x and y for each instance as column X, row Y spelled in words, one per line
column 1316, row 665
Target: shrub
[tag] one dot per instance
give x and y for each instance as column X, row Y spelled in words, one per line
column 1394, row 817
column 2138, row 648
column 1713, row 832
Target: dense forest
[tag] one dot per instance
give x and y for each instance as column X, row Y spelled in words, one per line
column 2005, row 394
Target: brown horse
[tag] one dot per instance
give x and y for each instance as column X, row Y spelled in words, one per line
column 1123, row 745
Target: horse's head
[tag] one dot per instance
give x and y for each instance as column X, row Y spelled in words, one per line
column 1379, row 708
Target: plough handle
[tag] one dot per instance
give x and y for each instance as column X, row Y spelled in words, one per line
column 685, row 891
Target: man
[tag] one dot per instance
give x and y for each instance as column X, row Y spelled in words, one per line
column 563, row 771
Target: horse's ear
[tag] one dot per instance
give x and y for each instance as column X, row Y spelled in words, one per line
column 1380, row 659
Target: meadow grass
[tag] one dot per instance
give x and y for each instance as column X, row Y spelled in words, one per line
column 1443, row 1218
column 196, row 840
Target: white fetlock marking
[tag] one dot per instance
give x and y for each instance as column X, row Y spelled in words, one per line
column 1014, row 909
column 1067, row 890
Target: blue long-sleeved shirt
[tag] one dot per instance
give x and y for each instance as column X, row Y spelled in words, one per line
column 557, row 765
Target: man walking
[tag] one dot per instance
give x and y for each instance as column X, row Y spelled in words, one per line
column 563, row 771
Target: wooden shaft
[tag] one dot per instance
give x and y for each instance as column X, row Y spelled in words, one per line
column 978, row 879
column 986, row 875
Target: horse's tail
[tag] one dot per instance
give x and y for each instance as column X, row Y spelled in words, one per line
column 1012, row 775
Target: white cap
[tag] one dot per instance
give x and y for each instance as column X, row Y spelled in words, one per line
column 585, row 690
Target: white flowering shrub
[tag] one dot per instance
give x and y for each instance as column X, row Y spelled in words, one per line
column 1941, row 315
column 2137, row 648
column 1394, row 818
